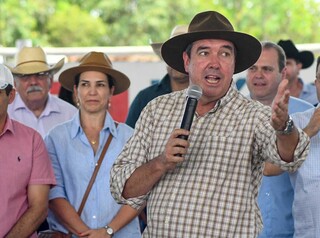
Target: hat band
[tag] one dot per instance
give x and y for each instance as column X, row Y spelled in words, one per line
column 32, row 61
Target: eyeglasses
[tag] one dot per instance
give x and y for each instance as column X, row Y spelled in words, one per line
column 38, row 76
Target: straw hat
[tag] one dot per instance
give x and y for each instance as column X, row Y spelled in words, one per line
column 95, row 61
column 305, row 57
column 177, row 30
column 32, row 60
column 211, row 25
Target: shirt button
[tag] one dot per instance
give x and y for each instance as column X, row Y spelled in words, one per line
column 94, row 217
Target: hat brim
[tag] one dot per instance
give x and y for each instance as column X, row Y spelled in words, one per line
column 248, row 48
column 306, row 58
column 156, row 47
column 3, row 85
column 121, row 81
column 36, row 67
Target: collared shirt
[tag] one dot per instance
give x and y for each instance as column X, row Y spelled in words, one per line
column 309, row 93
column 213, row 192
column 275, row 196
column 306, row 184
column 55, row 112
column 24, row 161
column 74, row 161
column 145, row 96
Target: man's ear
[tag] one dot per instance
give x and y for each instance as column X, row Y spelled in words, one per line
column 12, row 95
column 186, row 61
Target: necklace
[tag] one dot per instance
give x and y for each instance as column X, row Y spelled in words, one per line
column 93, row 142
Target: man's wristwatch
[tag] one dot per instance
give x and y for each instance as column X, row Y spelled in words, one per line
column 109, row 230
column 288, row 129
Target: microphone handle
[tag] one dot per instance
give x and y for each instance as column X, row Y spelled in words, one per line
column 188, row 115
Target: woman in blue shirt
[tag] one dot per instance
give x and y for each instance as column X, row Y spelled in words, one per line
column 75, row 147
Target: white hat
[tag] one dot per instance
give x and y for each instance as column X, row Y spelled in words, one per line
column 6, row 77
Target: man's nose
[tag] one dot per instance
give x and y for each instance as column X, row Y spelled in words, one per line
column 214, row 62
column 33, row 79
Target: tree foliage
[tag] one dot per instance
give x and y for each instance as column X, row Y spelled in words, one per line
column 63, row 23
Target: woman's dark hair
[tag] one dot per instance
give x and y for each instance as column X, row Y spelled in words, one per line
column 66, row 95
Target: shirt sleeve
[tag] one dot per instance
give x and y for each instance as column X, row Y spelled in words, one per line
column 42, row 171
column 266, row 137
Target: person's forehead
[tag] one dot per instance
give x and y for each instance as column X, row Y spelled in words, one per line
column 89, row 74
column 215, row 42
column 269, row 55
column 93, row 77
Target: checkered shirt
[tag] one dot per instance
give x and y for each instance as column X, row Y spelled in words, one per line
column 213, row 192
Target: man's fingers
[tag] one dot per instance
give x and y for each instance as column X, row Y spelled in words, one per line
column 283, row 86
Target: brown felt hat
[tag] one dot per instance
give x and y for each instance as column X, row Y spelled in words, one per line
column 212, row 25
column 95, row 61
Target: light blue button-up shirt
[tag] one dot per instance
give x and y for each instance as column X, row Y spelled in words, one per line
column 306, row 183
column 74, row 161
column 275, row 196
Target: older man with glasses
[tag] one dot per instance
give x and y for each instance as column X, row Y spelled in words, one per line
column 34, row 106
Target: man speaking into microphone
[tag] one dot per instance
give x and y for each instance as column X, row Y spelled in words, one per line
column 206, row 186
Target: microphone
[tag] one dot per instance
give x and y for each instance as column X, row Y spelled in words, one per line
column 194, row 92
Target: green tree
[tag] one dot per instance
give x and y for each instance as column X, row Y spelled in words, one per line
column 135, row 22
column 72, row 26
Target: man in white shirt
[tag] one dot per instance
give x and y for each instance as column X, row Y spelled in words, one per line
column 306, row 180
column 34, row 106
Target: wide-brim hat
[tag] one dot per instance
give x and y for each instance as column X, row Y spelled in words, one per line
column 177, row 30
column 212, row 25
column 95, row 61
column 306, row 58
column 32, row 60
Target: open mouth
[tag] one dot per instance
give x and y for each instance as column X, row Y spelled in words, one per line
column 212, row 79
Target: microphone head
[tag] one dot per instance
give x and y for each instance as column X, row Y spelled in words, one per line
column 194, row 91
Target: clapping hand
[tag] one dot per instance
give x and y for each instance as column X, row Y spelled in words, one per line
column 280, row 107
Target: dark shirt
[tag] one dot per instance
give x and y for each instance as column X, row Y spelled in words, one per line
column 145, row 96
